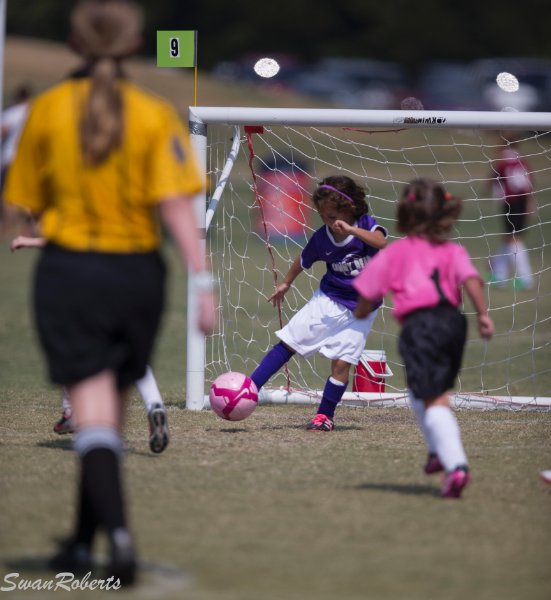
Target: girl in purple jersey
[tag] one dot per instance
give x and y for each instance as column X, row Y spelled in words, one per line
column 348, row 239
column 424, row 272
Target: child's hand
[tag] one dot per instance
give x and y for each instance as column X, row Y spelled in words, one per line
column 20, row 241
column 280, row 291
column 340, row 226
column 485, row 326
column 23, row 241
column 207, row 312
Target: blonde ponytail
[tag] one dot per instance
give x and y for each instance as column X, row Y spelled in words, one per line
column 102, row 118
column 104, row 32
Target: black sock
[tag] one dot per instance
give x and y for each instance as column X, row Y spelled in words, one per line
column 86, row 519
column 102, row 488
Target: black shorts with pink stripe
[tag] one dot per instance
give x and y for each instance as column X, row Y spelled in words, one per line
column 431, row 344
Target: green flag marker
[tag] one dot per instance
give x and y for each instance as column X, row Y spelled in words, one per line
column 176, row 48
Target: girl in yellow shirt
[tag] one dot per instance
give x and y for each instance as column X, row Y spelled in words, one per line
column 98, row 162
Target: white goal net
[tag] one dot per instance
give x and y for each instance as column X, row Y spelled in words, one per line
column 262, row 167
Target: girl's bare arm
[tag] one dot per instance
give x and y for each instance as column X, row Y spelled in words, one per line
column 23, row 241
column 474, row 288
column 373, row 238
column 280, row 291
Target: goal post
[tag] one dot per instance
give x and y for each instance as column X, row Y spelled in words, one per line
column 262, row 165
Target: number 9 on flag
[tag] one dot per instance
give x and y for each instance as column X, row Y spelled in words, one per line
column 176, row 48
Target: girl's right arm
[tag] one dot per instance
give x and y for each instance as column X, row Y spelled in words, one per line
column 283, row 287
column 179, row 218
column 23, row 241
column 474, row 287
column 364, row 308
column 376, row 239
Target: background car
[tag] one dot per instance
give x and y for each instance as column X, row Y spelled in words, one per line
column 354, row 82
column 450, row 86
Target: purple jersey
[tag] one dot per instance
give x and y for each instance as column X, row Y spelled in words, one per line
column 344, row 260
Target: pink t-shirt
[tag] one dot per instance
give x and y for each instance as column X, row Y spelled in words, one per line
column 407, row 270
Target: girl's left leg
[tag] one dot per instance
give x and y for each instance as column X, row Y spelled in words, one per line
column 159, row 436
column 522, row 269
column 65, row 423
column 443, row 430
column 149, row 390
column 335, row 386
column 98, row 444
column 433, row 464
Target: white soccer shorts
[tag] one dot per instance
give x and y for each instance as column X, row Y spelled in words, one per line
column 329, row 328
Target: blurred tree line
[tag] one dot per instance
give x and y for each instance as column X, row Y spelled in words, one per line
column 408, row 32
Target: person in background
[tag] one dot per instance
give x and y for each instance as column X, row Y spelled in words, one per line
column 13, row 121
column 512, row 185
column 424, row 272
column 349, row 238
column 99, row 162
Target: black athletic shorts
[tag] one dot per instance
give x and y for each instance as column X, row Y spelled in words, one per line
column 515, row 215
column 431, row 344
column 96, row 311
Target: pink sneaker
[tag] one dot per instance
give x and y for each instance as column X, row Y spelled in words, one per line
column 433, row 464
column 454, row 483
column 320, row 423
column 65, row 424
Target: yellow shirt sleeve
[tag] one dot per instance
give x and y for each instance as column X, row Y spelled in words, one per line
column 173, row 168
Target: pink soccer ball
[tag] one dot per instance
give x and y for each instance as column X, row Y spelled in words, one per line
column 233, row 396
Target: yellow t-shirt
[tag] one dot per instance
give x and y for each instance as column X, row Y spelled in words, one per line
column 109, row 207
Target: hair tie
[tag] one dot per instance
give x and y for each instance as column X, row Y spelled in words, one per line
column 334, row 189
column 448, row 196
column 410, row 197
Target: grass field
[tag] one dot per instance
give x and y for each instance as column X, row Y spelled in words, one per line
column 263, row 510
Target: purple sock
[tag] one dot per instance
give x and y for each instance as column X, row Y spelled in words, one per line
column 271, row 363
column 332, row 395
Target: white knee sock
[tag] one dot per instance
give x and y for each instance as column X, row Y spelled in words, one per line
column 500, row 263
column 444, row 431
column 65, row 402
column 149, row 391
column 418, row 408
column 522, row 263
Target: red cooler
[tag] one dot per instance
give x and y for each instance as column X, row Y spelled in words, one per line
column 371, row 372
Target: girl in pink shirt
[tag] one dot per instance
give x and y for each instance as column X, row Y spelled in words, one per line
column 424, row 273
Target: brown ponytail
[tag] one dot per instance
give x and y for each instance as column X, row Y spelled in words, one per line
column 102, row 119
column 104, row 32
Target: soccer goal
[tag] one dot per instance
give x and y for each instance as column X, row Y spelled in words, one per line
column 262, row 165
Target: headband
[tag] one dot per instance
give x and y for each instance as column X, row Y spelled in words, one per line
column 334, row 189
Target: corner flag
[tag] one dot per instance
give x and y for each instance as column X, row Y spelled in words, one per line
column 176, row 48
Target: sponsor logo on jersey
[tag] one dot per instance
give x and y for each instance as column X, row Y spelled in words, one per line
column 177, row 149
column 351, row 265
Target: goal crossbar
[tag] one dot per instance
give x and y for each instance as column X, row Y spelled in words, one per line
column 203, row 115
